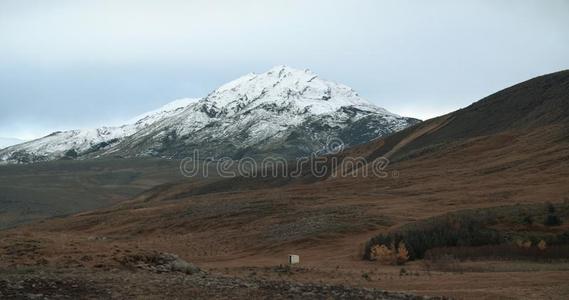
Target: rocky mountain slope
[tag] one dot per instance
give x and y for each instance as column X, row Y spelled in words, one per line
column 523, row 127
column 74, row 143
column 284, row 111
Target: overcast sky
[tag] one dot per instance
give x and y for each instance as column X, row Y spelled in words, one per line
column 76, row 64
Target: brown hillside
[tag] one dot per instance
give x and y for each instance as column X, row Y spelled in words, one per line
column 509, row 148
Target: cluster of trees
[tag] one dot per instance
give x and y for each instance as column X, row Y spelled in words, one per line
column 471, row 228
column 448, row 231
column 390, row 255
column 552, row 218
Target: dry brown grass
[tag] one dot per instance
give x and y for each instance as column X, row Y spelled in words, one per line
column 235, row 224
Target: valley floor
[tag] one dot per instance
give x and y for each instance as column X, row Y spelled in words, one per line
column 40, row 283
column 56, row 266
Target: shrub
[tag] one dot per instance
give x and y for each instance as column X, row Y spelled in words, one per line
column 552, row 219
column 526, row 244
column 383, row 254
column 550, row 208
column 390, row 255
column 402, row 254
column 542, row 245
column 527, row 220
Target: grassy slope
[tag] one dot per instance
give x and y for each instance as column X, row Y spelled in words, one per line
column 31, row 192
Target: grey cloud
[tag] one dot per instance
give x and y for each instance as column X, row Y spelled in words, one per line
column 67, row 64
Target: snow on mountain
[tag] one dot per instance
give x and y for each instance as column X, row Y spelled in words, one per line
column 74, row 142
column 285, row 85
column 285, row 111
column 157, row 114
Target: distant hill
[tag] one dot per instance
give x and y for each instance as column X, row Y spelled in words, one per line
column 539, row 104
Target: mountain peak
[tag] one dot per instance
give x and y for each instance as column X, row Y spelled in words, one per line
column 284, row 86
column 282, row 70
column 283, row 110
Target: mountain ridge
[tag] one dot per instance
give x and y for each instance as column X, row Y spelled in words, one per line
column 283, row 111
column 487, row 125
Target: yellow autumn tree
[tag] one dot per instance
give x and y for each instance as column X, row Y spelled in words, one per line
column 382, row 253
column 542, row 245
column 402, row 253
column 526, row 244
column 390, row 255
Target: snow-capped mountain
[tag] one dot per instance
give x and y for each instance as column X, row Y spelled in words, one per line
column 80, row 142
column 283, row 111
